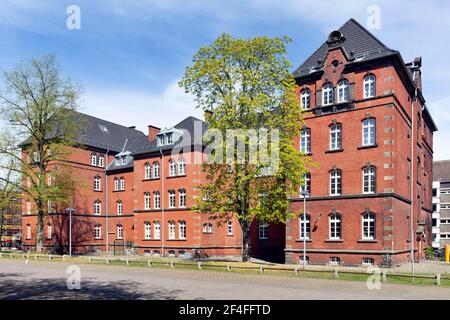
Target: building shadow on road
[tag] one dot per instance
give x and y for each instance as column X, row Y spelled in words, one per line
column 19, row 287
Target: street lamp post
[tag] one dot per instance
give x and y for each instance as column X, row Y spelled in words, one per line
column 304, row 193
column 70, row 229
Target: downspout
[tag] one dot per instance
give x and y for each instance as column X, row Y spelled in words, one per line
column 411, row 214
column 107, row 203
column 163, row 222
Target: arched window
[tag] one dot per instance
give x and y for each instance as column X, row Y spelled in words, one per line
column 367, row 262
column 98, row 231
column 368, row 132
column 157, row 229
column 116, row 184
column 122, row 183
column 327, row 93
column 182, row 198
column 97, row 207
column 369, row 86
column 147, row 230
column 172, row 168
column 156, row 200
column 101, row 161
column 369, row 179
column 97, row 183
column 148, row 171
column 182, row 229
column 263, row 230
column 49, row 231
column 335, row 182
column 119, row 207
column 147, row 201
column 343, row 91
column 171, row 229
column 368, row 226
column 305, row 141
column 336, row 136
column 181, row 167
column 335, row 261
column 207, row 228
column 156, row 170
column 305, row 98
column 119, row 231
column 308, row 226
column 93, row 159
column 171, row 198
column 335, row 226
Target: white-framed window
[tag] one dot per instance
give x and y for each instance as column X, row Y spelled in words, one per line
column 181, row 167
column 28, row 206
column 147, row 201
column 124, row 160
column 335, row 261
column 182, row 229
column 28, row 232
column 101, row 161
column 230, row 228
column 157, row 229
column 327, row 94
column 302, row 258
column 116, row 184
column 182, row 198
column 335, row 182
column 172, row 168
column 343, row 91
column 306, row 185
column 369, row 179
column 147, row 230
column 367, row 262
column 171, row 229
column 49, row 231
column 369, row 86
column 119, row 207
column 156, row 170
column 305, row 141
column 169, row 138
column 119, row 231
column 148, row 171
column 336, row 136
column 368, row 226
column 171, row 198
column 122, row 183
column 97, row 207
column 263, row 230
column 207, row 228
column 156, row 200
column 98, row 231
column 97, row 183
column 308, row 226
column 305, row 98
column 369, row 132
column 335, row 226
column 93, row 159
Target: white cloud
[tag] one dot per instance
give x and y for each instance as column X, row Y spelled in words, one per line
column 140, row 109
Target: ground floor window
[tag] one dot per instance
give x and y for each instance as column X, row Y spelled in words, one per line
column 263, row 230
column 307, row 259
column 335, row 261
column 367, row 262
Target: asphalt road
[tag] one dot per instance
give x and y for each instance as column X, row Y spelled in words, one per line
column 48, row 280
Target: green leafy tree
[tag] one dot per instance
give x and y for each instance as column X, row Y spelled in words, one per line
column 246, row 84
column 40, row 125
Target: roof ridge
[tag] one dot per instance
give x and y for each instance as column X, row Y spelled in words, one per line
column 365, row 30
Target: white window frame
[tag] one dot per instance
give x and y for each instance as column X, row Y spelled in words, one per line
column 172, row 198
column 182, row 198
column 181, row 167
column 169, row 138
column 335, row 182
column 28, row 232
column 148, row 171
column 305, row 141
column 327, row 94
column 336, row 136
column 101, row 161
column 369, row 132
column 147, row 199
column 182, row 229
column 369, row 180
column 335, row 227
column 157, row 229
column 368, row 224
column 156, row 170
column 172, row 227
column 368, row 262
column 116, row 184
column 119, row 206
column 172, row 168
column 97, row 207
column 343, row 91
column 97, row 183
column 263, row 230
column 119, row 228
column 93, row 159
column 308, row 226
column 98, row 231
column 147, row 230
column 49, row 231
column 28, row 206
column 156, row 200
column 306, row 184
column 369, row 86
column 122, row 184
column 305, row 98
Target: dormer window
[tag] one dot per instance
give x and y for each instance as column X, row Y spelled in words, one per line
column 161, row 140
column 169, row 138
column 124, row 160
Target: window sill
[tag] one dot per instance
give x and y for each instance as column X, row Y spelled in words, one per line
column 98, row 191
column 334, row 240
column 367, row 241
column 335, row 151
column 173, row 177
column 151, row 239
column 176, row 239
column 118, row 191
column 367, row 147
column 301, row 240
column 150, row 179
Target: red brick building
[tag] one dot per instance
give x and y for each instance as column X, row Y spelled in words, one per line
column 371, row 134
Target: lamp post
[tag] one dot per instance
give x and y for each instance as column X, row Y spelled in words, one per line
column 70, row 229
column 304, row 194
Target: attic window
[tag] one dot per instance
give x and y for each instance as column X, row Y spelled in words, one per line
column 103, row 128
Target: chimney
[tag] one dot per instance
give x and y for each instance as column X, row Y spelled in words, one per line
column 152, row 132
column 416, row 66
column 132, row 127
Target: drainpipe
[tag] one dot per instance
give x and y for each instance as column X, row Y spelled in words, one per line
column 107, row 202
column 411, row 222
column 163, row 203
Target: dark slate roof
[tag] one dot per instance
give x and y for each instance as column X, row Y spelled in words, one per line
column 187, row 125
column 441, row 171
column 106, row 135
column 358, row 45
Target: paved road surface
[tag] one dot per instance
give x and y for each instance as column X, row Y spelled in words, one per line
column 48, row 280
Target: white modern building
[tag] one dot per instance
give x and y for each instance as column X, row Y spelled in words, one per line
column 441, row 204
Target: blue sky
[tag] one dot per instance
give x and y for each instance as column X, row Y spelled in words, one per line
column 129, row 54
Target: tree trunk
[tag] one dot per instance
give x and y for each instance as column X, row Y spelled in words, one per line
column 40, row 228
column 245, row 241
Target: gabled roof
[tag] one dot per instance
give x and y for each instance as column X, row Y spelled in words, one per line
column 187, row 138
column 357, row 43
